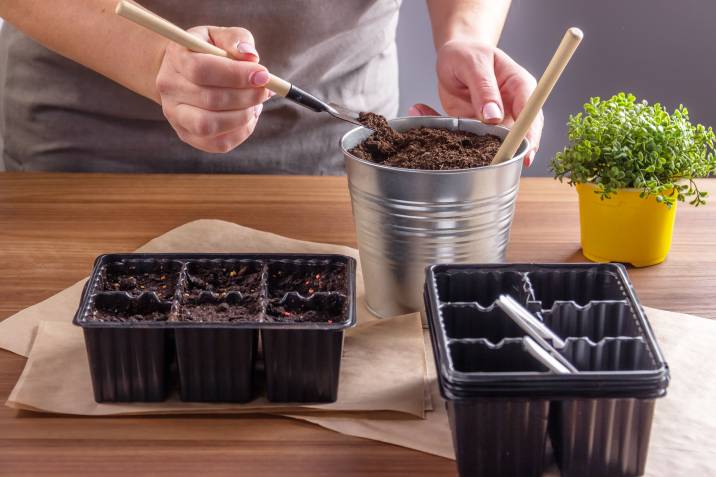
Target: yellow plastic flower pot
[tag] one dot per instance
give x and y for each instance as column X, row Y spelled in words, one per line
column 624, row 228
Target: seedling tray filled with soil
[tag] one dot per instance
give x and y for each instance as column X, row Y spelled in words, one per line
column 142, row 314
column 598, row 418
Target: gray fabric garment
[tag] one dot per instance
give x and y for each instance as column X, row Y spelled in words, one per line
column 57, row 115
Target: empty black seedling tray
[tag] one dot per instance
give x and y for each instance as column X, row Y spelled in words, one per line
column 147, row 317
column 502, row 399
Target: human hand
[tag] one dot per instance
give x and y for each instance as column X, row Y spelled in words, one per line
column 476, row 80
column 213, row 103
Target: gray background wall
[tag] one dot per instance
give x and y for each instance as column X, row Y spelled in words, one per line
column 661, row 50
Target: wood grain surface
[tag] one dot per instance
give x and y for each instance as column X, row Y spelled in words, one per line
column 53, row 225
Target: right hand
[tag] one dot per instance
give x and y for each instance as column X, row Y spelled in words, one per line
column 213, row 103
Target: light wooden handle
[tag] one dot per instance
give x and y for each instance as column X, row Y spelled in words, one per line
column 549, row 78
column 152, row 21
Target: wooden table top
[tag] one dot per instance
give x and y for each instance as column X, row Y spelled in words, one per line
column 53, row 225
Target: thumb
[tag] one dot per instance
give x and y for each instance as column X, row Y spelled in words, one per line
column 484, row 91
column 237, row 41
column 420, row 109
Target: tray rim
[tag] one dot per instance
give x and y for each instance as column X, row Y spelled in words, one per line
column 522, row 383
column 101, row 260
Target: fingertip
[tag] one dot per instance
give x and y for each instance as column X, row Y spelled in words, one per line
column 259, row 78
column 491, row 113
column 247, row 51
column 529, row 158
column 413, row 111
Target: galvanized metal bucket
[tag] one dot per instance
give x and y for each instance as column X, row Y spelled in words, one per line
column 408, row 219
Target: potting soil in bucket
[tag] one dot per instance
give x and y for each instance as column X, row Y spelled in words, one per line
column 423, row 194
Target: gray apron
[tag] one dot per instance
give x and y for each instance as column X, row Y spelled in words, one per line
column 56, row 115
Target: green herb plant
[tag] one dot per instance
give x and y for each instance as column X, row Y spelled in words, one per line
column 621, row 143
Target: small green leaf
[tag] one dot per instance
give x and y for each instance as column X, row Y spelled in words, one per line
column 621, row 142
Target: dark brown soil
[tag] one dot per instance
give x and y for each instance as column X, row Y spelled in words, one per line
column 224, row 291
column 325, row 311
column 424, row 148
column 223, row 278
column 103, row 315
column 247, row 309
column 163, row 282
column 306, row 281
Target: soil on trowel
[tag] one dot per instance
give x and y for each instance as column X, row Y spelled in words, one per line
column 424, row 148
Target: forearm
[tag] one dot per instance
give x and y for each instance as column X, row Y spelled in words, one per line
column 473, row 20
column 89, row 32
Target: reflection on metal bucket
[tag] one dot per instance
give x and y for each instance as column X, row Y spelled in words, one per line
column 408, row 219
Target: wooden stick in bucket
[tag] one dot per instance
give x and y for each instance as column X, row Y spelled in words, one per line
column 546, row 83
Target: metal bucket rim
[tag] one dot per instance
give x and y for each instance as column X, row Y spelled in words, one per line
column 521, row 151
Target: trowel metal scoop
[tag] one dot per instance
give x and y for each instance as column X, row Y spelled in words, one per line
column 143, row 17
column 299, row 96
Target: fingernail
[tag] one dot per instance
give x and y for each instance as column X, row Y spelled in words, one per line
column 530, row 158
column 257, row 109
column 259, row 78
column 247, row 49
column 413, row 111
column 491, row 111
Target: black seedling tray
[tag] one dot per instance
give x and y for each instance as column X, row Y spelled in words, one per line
column 145, row 315
column 500, row 397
